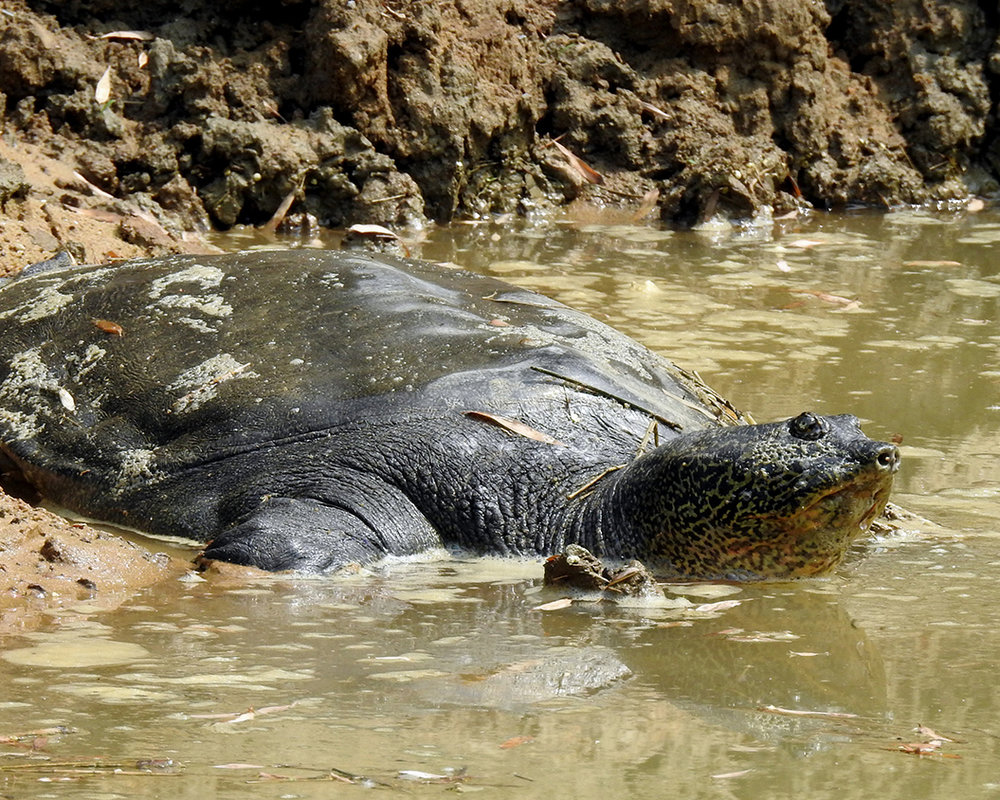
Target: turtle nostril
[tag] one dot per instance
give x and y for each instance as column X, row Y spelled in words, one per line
column 888, row 457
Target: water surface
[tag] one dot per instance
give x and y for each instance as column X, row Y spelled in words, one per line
column 445, row 668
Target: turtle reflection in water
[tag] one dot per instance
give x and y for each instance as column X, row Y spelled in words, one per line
column 308, row 409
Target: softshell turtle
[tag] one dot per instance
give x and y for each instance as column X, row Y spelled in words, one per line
column 310, row 409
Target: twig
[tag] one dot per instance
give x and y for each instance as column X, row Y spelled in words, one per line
column 576, row 493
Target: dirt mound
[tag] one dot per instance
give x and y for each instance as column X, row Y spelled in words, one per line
column 46, row 561
column 393, row 112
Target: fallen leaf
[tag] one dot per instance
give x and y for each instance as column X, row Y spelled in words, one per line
column 282, row 209
column 654, row 110
column 722, row 605
column 273, row 709
column 131, row 36
column 516, row 741
column 555, row 605
column 920, row 748
column 142, row 60
column 271, row 776
column 624, row 575
column 791, row 712
column 67, row 400
column 646, row 205
column 244, row 717
column 826, row 297
column 923, row 730
column 514, row 426
column 109, row 327
column 417, row 775
column 764, row 636
column 103, row 91
column 587, row 172
column 372, row 230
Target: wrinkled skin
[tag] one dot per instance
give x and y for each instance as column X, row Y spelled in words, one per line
column 308, row 409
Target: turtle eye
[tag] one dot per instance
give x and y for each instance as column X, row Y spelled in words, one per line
column 808, row 426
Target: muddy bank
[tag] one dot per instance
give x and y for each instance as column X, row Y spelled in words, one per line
column 396, row 112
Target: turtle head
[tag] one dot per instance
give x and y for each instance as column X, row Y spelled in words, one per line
column 779, row 500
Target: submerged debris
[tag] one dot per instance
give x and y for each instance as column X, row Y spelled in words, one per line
column 578, row 568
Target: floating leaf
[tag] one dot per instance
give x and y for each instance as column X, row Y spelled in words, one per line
column 103, row 91
column 826, row 297
column 516, row 741
column 514, row 426
column 555, row 605
column 417, row 775
column 791, row 712
column 923, row 730
column 763, row 636
column 920, row 748
column 721, row 605
column 372, row 230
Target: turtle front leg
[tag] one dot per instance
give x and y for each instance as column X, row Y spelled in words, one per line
column 308, row 535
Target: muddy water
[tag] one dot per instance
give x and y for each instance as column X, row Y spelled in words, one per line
column 445, row 668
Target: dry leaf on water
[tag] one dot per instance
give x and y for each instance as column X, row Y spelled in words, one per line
column 555, row 605
column 826, row 297
column 737, row 774
column 721, row 605
column 516, row 741
column 791, row 712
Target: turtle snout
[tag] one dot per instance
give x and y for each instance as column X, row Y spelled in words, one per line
column 887, row 458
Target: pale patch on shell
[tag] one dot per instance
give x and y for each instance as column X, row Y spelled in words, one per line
column 135, row 464
column 87, row 361
column 203, row 301
column 46, row 303
column 205, row 277
column 26, row 384
column 202, row 381
column 212, row 305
